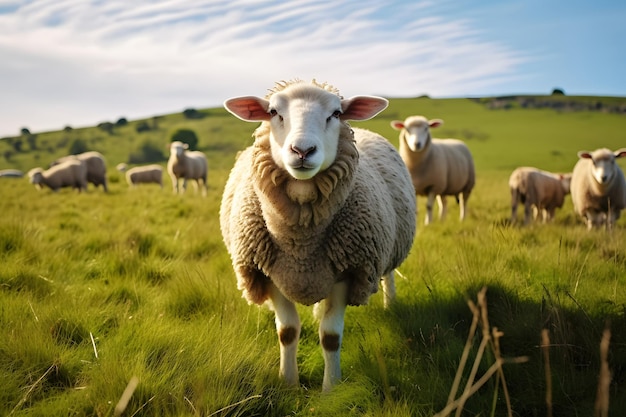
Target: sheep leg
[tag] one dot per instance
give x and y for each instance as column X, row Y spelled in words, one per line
column 333, row 309
column 442, row 202
column 389, row 289
column 288, row 329
column 514, row 201
column 528, row 211
column 429, row 208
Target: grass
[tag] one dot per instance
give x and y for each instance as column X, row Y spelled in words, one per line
column 101, row 292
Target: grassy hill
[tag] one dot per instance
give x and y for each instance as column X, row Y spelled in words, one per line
column 98, row 289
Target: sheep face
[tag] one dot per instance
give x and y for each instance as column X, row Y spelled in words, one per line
column 604, row 166
column 35, row 176
column 416, row 131
column 178, row 148
column 305, row 121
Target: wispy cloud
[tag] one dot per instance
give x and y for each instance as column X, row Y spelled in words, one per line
column 98, row 60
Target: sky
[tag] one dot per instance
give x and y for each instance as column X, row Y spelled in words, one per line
column 81, row 62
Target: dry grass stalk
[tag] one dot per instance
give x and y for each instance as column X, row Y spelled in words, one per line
column 489, row 338
column 126, row 395
column 32, row 387
column 545, row 348
column 604, row 379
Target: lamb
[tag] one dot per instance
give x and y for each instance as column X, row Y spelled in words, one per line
column 96, row 167
column 438, row 167
column 144, row 174
column 315, row 212
column 70, row 173
column 598, row 187
column 188, row 165
column 539, row 191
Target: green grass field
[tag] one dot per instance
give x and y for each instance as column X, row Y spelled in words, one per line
column 98, row 289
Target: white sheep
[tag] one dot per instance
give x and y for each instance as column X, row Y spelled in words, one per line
column 96, row 167
column 539, row 191
column 144, row 174
column 315, row 211
column 598, row 187
column 69, row 173
column 188, row 165
column 438, row 167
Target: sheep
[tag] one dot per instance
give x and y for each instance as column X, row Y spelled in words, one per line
column 11, row 173
column 539, row 191
column 188, row 165
column 438, row 167
column 144, row 174
column 598, row 187
column 69, row 173
column 315, row 212
column 96, row 167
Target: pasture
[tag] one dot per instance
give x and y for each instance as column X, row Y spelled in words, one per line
column 99, row 290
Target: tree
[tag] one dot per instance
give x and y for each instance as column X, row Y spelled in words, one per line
column 148, row 152
column 558, row 92
column 186, row 136
column 25, row 131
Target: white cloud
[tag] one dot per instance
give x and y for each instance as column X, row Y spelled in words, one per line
column 79, row 62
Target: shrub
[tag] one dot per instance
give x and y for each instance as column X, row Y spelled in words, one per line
column 192, row 114
column 142, row 127
column 78, row 146
column 147, row 152
column 186, row 136
column 558, row 92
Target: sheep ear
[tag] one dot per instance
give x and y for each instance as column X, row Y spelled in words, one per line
column 584, row 155
column 362, row 107
column 620, row 153
column 435, row 122
column 397, row 124
column 249, row 108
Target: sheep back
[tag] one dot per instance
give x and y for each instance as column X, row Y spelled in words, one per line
column 96, row 167
column 145, row 174
column 69, row 173
column 542, row 189
column 359, row 227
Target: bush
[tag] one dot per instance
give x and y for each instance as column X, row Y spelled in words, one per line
column 147, row 152
column 121, row 122
column 142, row 127
column 192, row 114
column 106, row 127
column 78, row 146
column 186, row 136
column 558, row 92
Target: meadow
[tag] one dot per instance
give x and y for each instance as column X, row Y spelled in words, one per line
column 99, row 292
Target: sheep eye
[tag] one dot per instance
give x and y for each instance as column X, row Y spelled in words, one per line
column 273, row 112
column 335, row 114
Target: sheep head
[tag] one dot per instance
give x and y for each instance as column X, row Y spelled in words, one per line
column 178, row 148
column 603, row 160
column 305, row 121
column 416, row 131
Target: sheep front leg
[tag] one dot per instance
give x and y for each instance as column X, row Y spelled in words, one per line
column 288, row 329
column 443, row 206
column 389, row 289
column 429, row 208
column 333, row 309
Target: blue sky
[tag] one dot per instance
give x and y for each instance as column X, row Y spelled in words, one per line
column 81, row 62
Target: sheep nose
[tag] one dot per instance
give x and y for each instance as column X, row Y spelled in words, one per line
column 604, row 178
column 303, row 153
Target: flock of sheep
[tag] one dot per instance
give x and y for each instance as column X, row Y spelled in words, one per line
column 89, row 167
column 319, row 213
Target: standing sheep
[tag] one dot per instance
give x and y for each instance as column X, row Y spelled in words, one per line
column 438, row 167
column 144, row 174
column 598, row 187
column 96, row 167
column 539, row 191
column 70, row 173
column 315, row 211
column 188, row 165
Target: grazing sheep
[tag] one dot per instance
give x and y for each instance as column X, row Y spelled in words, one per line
column 539, row 191
column 598, row 187
column 315, row 211
column 145, row 174
column 11, row 173
column 96, row 167
column 438, row 167
column 70, row 173
column 188, row 165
